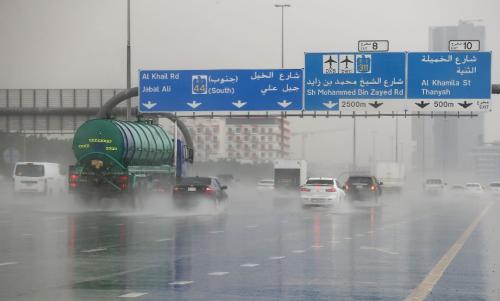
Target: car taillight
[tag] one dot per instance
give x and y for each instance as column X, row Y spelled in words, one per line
column 331, row 189
column 346, row 187
column 373, row 188
column 123, row 181
column 304, row 189
column 209, row 190
column 73, row 180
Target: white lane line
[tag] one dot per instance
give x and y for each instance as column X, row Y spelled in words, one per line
column 118, row 224
column 163, row 239
column 132, row 295
column 370, row 232
column 252, row 226
column 298, row 251
column 334, row 242
column 276, row 257
column 180, row 283
column 360, row 235
column 425, row 287
column 317, row 246
column 216, row 232
column 94, row 250
column 140, row 222
column 347, row 238
column 8, row 263
column 381, row 250
column 218, row 273
column 249, row 265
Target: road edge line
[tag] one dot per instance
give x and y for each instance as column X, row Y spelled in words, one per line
column 425, row 287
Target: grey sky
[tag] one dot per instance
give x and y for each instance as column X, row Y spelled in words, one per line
column 81, row 44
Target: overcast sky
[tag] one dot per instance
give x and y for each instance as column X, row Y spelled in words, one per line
column 81, row 44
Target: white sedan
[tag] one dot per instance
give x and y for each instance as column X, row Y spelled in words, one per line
column 321, row 192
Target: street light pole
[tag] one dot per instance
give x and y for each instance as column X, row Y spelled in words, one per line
column 282, row 122
column 129, row 102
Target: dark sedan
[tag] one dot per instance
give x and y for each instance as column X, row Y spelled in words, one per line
column 363, row 188
column 190, row 191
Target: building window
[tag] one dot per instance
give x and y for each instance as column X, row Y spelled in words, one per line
column 269, row 138
column 254, row 130
column 246, row 138
column 262, row 130
column 238, row 130
column 270, row 130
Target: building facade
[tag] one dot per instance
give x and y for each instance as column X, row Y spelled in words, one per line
column 246, row 140
column 487, row 161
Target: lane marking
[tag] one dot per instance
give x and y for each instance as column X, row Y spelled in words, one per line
column 94, row 250
column 276, row 257
column 317, row 246
column 381, row 250
column 359, row 235
column 334, row 242
column 252, row 226
column 347, row 238
column 298, row 251
column 249, row 265
column 140, row 222
column 426, row 286
column 180, row 283
column 118, row 224
column 8, row 263
column 132, row 295
column 163, row 239
column 218, row 273
column 216, row 232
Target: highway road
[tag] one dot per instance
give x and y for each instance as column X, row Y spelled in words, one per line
column 411, row 247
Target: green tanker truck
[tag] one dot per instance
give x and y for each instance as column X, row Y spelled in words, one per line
column 120, row 159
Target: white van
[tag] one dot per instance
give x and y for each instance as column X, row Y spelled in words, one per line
column 38, row 177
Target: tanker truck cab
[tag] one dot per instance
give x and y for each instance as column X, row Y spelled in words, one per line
column 38, row 177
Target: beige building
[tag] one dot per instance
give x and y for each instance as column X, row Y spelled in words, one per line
column 256, row 140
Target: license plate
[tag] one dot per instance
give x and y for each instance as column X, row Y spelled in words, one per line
column 359, row 186
column 191, row 188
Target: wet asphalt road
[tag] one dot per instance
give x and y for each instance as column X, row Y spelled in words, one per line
column 260, row 249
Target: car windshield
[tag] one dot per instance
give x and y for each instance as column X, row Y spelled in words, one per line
column 360, row 180
column 321, row 182
column 495, row 185
column 195, row 181
column 30, row 170
column 434, row 181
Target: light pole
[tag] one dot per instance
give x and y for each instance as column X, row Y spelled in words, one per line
column 129, row 102
column 282, row 122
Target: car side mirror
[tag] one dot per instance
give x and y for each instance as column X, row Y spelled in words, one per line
column 224, row 187
column 381, row 183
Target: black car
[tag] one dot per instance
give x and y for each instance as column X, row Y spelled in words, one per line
column 190, row 191
column 363, row 188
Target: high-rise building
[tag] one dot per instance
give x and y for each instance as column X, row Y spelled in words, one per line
column 255, row 140
column 447, row 144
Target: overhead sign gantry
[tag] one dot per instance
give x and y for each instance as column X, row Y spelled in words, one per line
column 348, row 81
column 449, row 81
column 220, row 90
